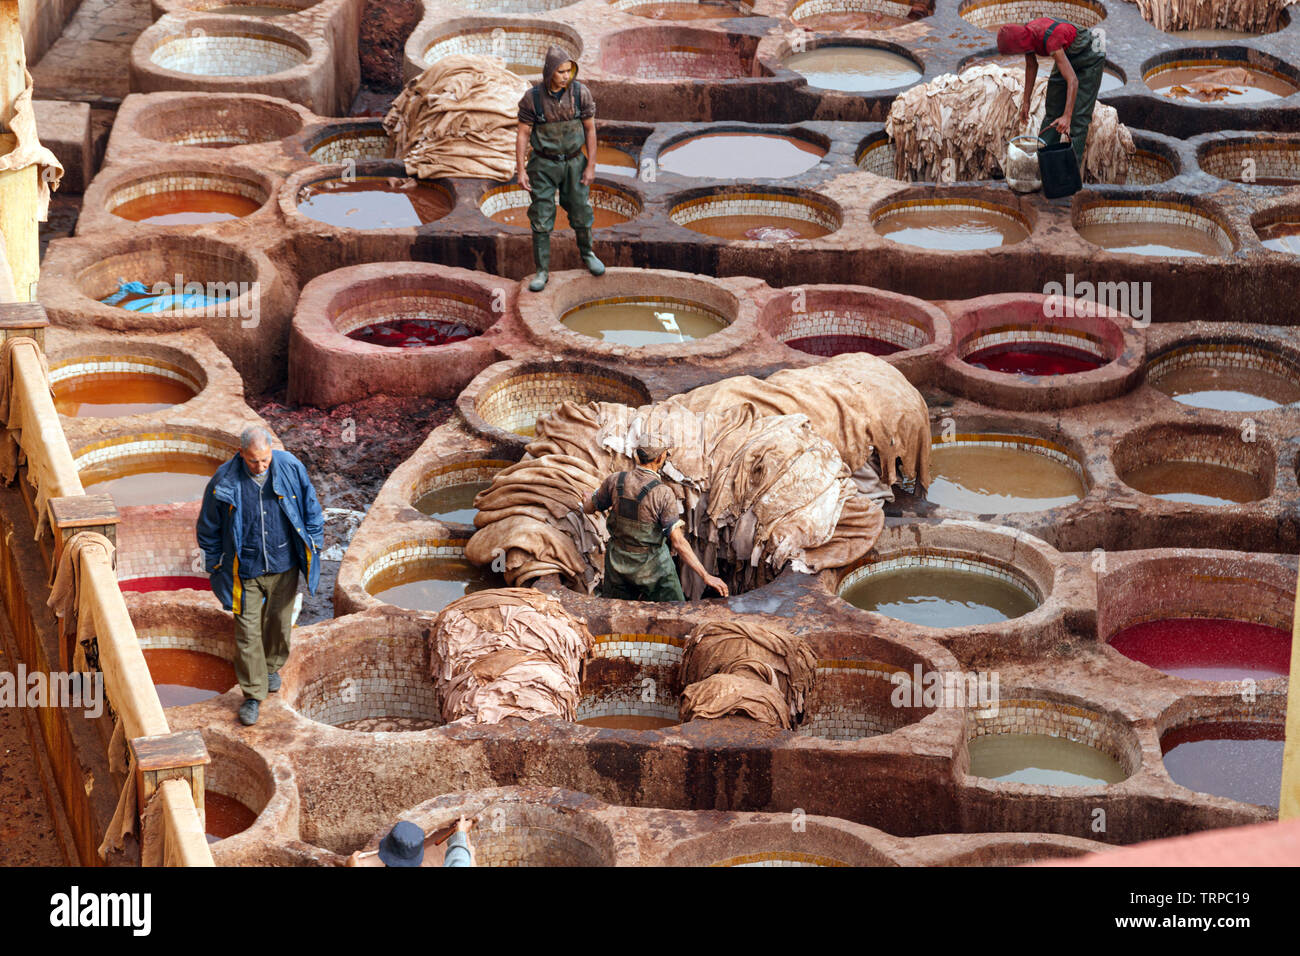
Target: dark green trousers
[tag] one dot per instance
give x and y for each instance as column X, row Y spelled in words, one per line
column 1089, row 65
column 641, row 577
column 262, row 629
column 551, row 180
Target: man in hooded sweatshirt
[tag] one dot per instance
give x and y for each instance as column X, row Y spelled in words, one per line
column 557, row 119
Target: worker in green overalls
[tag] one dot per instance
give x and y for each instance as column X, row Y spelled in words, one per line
column 645, row 518
column 557, row 119
column 1075, row 81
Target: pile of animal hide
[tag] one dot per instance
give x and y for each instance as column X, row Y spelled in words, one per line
column 746, row 668
column 1251, row 16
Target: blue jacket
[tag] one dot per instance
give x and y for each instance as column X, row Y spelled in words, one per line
column 220, row 532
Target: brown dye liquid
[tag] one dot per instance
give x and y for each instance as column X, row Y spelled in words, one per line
column 391, row 725
column 738, row 227
column 741, row 156
column 114, row 394
column 940, row 228
column 1281, row 236
column 993, row 480
column 1151, row 239
column 527, row 431
column 691, row 11
column 1212, row 35
column 1043, row 760
column 225, row 816
column 156, row 481
column 853, row 69
column 1195, row 482
column 1229, row 389
column 939, row 597
column 518, row 216
column 251, row 10
column 431, row 586
column 614, row 162
column 373, row 202
column 864, row 20
column 1260, row 88
column 633, row 324
column 629, row 722
column 186, row 677
column 186, row 207
column 452, row 502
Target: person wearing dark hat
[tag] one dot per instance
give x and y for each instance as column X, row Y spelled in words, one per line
column 1075, row 81
column 645, row 519
column 557, row 119
column 403, row 846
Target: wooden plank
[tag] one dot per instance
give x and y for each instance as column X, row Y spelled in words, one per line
column 20, row 316
column 186, row 844
column 184, row 748
column 51, row 447
column 1288, row 804
column 12, row 60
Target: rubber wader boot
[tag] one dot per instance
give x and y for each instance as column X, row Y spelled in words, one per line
column 594, row 265
column 541, row 259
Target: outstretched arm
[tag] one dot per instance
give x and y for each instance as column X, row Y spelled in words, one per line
column 677, row 539
column 1062, row 123
column 521, row 154
column 1031, row 74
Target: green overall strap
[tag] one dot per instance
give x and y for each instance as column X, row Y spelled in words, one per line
column 1050, row 30
column 541, row 113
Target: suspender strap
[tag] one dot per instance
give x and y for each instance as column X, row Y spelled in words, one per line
column 649, row 487
column 1047, row 35
column 537, row 103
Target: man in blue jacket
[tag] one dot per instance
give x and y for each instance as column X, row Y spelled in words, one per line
column 259, row 525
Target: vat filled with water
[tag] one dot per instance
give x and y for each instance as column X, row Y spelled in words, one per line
column 186, row 677
column 374, row 202
column 1227, row 83
column 1195, row 483
column 117, row 394
column 762, row 217
column 612, row 161
column 1001, row 476
column 1201, row 648
column 643, row 323
column 741, row 156
column 937, row 596
column 1229, row 378
column 854, row 69
column 155, row 480
column 1152, row 239
column 224, row 816
column 1281, row 236
column 186, row 207
column 1043, row 760
column 452, row 502
column 430, row 585
column 949, row 226
column 1237, row 760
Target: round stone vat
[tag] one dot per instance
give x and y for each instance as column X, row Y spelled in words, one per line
column 357, row 141
column 233, row 8
column 1235, row 759
column 371, row 195
column 998, row 473
column 774, row 844
column 1149, row 227
column 685, row 9
column 411, row 311
column 1231, row 76
column 368, row 682
column 238, row 786
column 521, row 43
column 152, row 469
column 1014, row 849
column 224, row 275
column 830, row 320
column 1198, row 464
column 950, row 224
column 114, row 386
column 857, row 698
column 447, row 491
column 940, row 589
column 1033, row 352
column 1227, row 374
column 876, row 155
column 611, row 204
column 1204, row 616
column 1278, row 229
column 425, row 575
column 514, row 6
column 848, row 67
column 640, row 321
column 743, row 153
column 249, row 49
column 181, row 196
column 991, row 14
column 1259, row 160
column 189, row 647
column 1154, row 162
column 1030, row 739
column 506, row 399
column 851, row 14
column 747, row 214
column 632, row 682
column 218, row 121
column 618, row 159
column 679, row 53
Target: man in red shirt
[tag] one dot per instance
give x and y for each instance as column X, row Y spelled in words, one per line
column 1075, row 81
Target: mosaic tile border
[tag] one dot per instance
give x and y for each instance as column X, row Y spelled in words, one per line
column 460, row 473
column 94, row 365
column 228, row 54
column 204, row 643
column 513, row 43
column 1026, row 443
column 1274, row 158
column 805, row 209
column 988, row 14
column 1054, row 335
column 780, row 858
column 890, row 209
column 1222, row 355
column 602, row 197
column 904, row 332
column 1021, row 714
column 407, row 553
column 878, row 158
column 1109, row 211
column 518, row 401
column 150, row 445
column 177, row 181
column 812, row 8
column 946, row 561
column 356, row 144
column 380, row 304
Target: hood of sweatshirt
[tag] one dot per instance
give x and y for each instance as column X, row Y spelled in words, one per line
column 556, row 58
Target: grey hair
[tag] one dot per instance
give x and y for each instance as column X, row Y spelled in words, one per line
column 254, row 436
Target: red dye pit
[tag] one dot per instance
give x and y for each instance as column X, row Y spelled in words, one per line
column 225, row 815
column 829, row 345
column 1208, row 648
column 186, row 677
column 413, row 333
column 1022, row 358
column 1240, row 761
column 165, row 582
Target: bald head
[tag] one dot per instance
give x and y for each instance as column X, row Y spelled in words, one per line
column 255, row 449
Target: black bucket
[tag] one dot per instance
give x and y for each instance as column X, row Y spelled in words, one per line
column 1060, row 170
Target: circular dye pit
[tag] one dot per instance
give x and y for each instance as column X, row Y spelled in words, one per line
column 217, row 121
column 854, row 69
column 1034, row 350
column 1042, row 760
column 1257, row 161
column 522, row 44
column 230, row 54
column 1195, row 483
column 857, row 699
column 640, row 321
column 1208, row 648
column 1003, row 474
column 448, row 493
column 741, row 156
column 1222, row 82
column 387, row 683
column 839, row 15
column 1143, row 228
column 186, row 677
column 952, row 225
column 1190, row 465
column 761, row 217
column 164, row 582
column 679, row 53
column 834, row 323
column 374, row 202
column 250, row 10
column 611, row 161
column 1281, row 236
column 508, row 205
column 1229, row 377
column 621, row 670
column 224, row 816
column 935, row 591
column 515, row 400
column 356, row 142
column 423, row 583
column 117, row 394
column 991, row 14
column 150, row 479
column 685, row 9
column 186, row 207
column 1237, row 760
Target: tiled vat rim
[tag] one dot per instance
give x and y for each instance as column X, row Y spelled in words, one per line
column 652, row 300
column 718, row 61
column 1021, row 714
column 956, row 205
column 520, row 399
column 1146, row 168
column 1223, row 450
column 602, row 197
column 1260, row 358
column 403, row 553
column 86, row 365
column 780, row 858
column 901, row 330
column 228, row 54
column 878, row 158
column 173, row 182
column 650, row 650
column 378, row 304
column 993, row 13
column 1047, row 334
column 515, row 44
column 844, row 717
column 151, row 444
column 1274, row 159
column 352, row 144
column 811, row 8
column 631, row 6
column 947, row 560
column 1028, row 443
column 461, row 473
column 1106, row 211
column 1242, row 63
column 205, row 643
column 381, row 689
column 756, row 204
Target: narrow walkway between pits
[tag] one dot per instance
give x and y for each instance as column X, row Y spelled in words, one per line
column 90, row 61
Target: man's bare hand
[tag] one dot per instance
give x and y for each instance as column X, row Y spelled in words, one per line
column 589, row 174
column 717, row 584
column 524, row 181
column 1061, row 125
